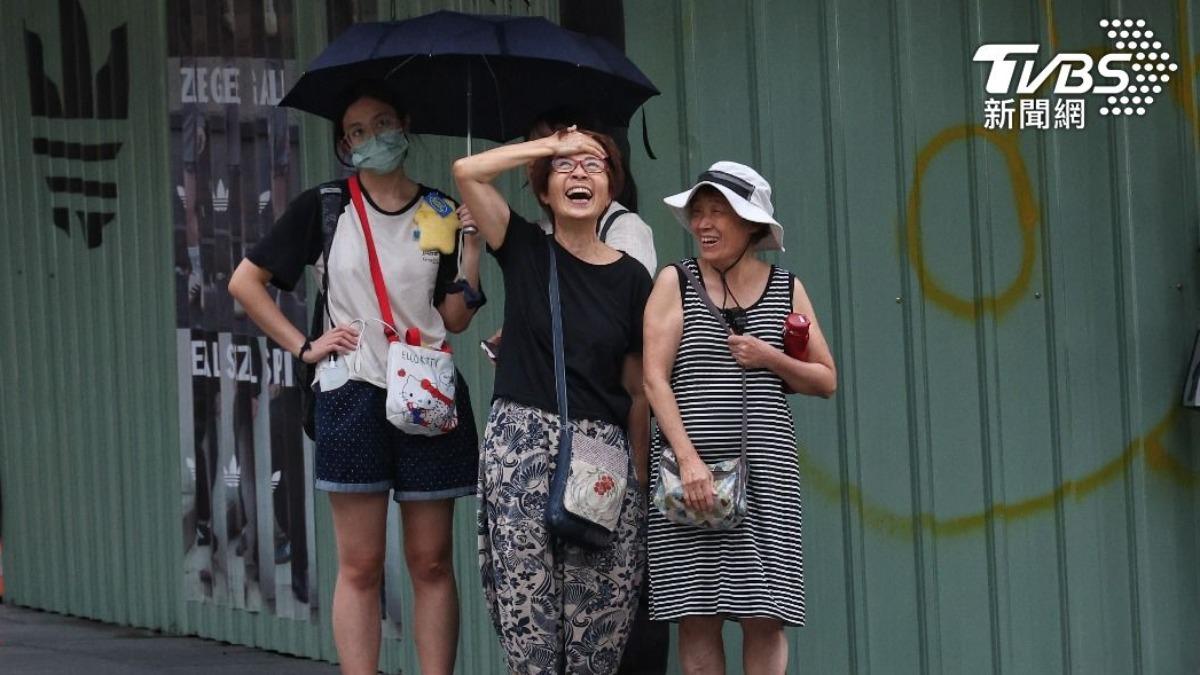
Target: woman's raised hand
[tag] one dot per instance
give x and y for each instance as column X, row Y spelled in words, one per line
column 570, row 141
column 342, row 339
column 472, row 242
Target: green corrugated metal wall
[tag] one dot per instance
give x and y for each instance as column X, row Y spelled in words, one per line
column 1004, row 482
column 89, row 476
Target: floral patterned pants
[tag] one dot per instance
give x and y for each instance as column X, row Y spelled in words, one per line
column 556, row 607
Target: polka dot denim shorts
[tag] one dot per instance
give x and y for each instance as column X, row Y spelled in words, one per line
column 358, row 450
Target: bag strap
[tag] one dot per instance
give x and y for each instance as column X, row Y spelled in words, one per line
column 712, row 308
column 608, row 223
column 333, row 201
column 560, row 368
column 385, row 307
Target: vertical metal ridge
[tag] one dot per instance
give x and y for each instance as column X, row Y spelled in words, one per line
column 754, row 15
column 78, row 523
column 1121, row 198
column 13, row 460
column 111, row 599
column 170, row 605
column 685, row 79
column 840, row 316
column 897, row 43
column 974, row 29
column 1049, row 172
column 51, row 442
column 153, row 252
column 686, row 74
column 74, row 523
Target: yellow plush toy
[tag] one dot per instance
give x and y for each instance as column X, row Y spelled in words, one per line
column 437, row 222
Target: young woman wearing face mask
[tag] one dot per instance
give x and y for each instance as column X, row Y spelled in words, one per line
column 360, row 456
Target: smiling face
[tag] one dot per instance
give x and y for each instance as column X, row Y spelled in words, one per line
column 577, row 194
column 721, row 233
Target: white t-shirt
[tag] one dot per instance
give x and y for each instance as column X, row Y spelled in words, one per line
column 629, row 233
column 409, row 273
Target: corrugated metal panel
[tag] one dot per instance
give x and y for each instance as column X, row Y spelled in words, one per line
column 1001, row 484
column 90, row 459
column 1004, row 453
column 87, row 379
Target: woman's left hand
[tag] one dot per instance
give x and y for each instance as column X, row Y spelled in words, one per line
column 466, row 219
column 751, row 352
column 472, row 242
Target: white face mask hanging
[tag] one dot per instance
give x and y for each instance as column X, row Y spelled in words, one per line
column 334, row 373
column 336, row 370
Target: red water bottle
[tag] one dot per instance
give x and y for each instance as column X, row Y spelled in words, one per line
column 795, row 336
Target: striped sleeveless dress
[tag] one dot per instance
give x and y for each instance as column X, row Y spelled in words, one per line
column 755, row 569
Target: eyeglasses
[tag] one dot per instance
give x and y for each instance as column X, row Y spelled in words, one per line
column 737, row 319
column 567, row 165
column 378, row 125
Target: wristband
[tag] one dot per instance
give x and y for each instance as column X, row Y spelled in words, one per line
column 474, row 299
column 305, row 347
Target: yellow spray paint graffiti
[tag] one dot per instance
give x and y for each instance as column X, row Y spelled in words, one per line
column 1027, row 220
column 968, row 307
column 1183, row 87
column 882, row 519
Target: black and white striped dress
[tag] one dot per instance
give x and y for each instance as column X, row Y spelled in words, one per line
column 755, row 569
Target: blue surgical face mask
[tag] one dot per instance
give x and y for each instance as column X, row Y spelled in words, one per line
column 381, row 153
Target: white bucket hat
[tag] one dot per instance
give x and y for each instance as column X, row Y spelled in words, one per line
column 747, row 192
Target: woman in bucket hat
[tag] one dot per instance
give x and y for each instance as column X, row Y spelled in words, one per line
column 753, row 572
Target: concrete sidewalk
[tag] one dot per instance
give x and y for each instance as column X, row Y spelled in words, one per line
column 33, row 642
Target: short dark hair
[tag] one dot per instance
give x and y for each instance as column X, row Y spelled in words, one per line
column 539, row 173
column 379, row 90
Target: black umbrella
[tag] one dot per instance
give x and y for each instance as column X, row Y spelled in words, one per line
column 476, row 75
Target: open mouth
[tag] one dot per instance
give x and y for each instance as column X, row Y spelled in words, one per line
column 709, row 240
column 579, row 195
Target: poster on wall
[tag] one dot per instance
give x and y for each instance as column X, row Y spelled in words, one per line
column 245, row 464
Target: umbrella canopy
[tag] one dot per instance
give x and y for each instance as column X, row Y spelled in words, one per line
column 476, row 75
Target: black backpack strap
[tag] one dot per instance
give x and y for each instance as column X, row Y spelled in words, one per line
column 334, row 197
column 608, row 222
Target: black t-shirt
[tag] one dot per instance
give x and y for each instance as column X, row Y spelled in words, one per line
column 296, row 241
column 602, row 309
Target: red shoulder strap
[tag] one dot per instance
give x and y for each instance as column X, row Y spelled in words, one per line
column 385, row 307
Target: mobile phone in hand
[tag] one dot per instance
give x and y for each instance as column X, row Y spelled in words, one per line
column 492, row 349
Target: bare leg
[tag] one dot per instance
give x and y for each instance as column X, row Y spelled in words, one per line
column 764, row 647
column 428, row 548
column 359, row 524
column 701, row 649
